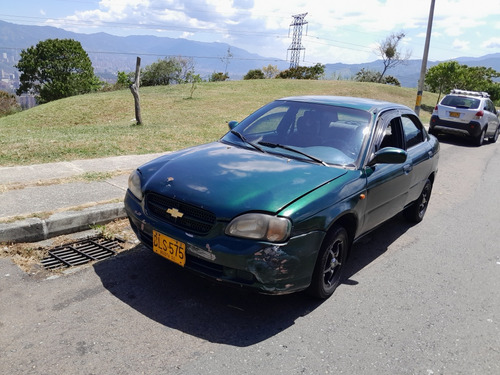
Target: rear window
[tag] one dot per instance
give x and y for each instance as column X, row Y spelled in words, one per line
column 461, row 102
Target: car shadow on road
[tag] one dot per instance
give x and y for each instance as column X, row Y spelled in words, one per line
column 180, row 300
column 460, row 140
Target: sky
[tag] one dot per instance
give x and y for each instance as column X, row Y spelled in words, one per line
column 336, row 31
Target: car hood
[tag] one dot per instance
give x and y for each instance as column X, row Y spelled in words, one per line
column 229, row 180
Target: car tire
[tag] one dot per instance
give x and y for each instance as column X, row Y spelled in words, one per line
column 480, row 138
column 416, row 211
column 495, row 136
column 330, row 264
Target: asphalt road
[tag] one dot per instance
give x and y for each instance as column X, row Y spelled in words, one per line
column 420, row 299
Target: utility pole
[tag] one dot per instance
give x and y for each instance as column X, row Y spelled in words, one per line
column 296, row 46
column 423, row 69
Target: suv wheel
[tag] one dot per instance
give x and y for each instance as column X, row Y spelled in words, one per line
column 480, row 138
column 495, row 136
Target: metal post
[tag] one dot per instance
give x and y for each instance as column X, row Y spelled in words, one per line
column 423, row 69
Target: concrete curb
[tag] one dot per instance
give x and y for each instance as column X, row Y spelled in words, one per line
column 35, row 229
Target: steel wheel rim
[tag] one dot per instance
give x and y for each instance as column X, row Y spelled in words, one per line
column 332, row 263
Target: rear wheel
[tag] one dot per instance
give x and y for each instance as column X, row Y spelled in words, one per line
column 480, row 138
column 495, row 136
column 330, row 263
column 416, row 211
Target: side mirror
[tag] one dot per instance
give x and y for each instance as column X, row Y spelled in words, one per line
column 389, row 155
column 232, row 124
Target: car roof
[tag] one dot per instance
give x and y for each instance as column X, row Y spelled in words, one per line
column 365, row 104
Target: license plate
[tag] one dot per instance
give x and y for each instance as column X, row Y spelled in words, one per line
column 169, row 248
column 455, row 114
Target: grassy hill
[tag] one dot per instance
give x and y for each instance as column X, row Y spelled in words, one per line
column 102, row 124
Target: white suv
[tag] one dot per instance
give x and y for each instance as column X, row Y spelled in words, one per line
column 466, row 112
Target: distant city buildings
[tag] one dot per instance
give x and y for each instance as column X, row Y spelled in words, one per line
column 9, row 77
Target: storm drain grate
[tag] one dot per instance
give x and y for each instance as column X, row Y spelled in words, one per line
column 81, row 252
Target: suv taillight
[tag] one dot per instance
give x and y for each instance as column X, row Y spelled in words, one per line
column 479, row 114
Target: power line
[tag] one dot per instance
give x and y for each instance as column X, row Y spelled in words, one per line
column 162, row 55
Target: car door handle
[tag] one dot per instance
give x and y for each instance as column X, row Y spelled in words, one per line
column 431, row 154
column 407, row 168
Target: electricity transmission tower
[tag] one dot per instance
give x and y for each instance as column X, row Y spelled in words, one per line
column 296, row 46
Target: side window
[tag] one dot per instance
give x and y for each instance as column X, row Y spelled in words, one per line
column 412, row 128
column 267, row 123
column 392, row 135
column 490, row 106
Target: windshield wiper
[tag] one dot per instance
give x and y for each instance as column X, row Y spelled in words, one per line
column 288, row 148
column 242, row 137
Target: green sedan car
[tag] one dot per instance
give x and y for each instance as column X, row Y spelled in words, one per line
column 277, row 202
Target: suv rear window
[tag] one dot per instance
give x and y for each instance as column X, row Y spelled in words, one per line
column 461, row 102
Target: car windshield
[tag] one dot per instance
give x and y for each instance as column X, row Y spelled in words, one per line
column 314, row 132
column 461, row 102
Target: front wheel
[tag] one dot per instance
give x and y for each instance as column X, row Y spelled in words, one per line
column 416, row 211
column 330, row 264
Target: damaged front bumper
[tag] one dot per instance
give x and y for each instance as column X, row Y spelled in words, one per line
column 265, row 267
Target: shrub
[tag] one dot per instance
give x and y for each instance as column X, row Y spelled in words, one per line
column 8, row 104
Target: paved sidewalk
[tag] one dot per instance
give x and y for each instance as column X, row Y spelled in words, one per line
column 46, row 200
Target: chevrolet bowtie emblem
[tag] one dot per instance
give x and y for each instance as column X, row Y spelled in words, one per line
column 175, row 213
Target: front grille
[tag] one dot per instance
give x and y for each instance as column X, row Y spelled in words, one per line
column 194, row 219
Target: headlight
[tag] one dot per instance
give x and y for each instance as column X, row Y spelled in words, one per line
column 134, row 184
column 260, row 227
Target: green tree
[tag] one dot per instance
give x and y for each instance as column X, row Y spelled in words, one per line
column 161, row 73
column 56, row 69
column 218, row 77
column 303, row 72
column 449, row 75
column 476, row 78
column 367, row 75
column 254, row 74
column 443, row 77
column 170, row 70
column 270, row 71
column 123, row 80
column 390, row 80
column 389, row 51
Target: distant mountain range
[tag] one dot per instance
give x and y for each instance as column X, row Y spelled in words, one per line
column 408, row 73
column 110, row 54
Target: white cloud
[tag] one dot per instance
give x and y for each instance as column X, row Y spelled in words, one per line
column 491, row 43
column 461, row 45
column 335, row 33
